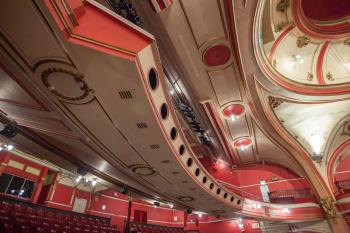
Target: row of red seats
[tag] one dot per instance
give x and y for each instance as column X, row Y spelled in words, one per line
column 148, row 228
column 15, row 218
column 42, row 213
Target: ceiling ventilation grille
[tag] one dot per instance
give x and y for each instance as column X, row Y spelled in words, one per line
column 154, row 147
column 125, row 94
column 141, row 125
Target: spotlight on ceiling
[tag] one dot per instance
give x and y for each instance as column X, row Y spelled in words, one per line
column 78, row 178
column 94, row 182
column 156, row 204
column 7, row 127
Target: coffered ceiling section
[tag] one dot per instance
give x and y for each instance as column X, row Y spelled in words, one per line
column 299, row 52
column 202, row 34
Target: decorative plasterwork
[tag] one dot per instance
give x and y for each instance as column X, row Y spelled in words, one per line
column 61, row 73
column 296, row 60
column 143, row 170
column 302, row 41
column 216, row 54
column 311, row 123
column 329, row 208
column 283, row 5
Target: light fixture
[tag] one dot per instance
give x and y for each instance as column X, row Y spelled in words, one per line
column 233, row 111
column 78, row 179
column 200, row 215
column 6, row 146
column 256, row 206
column 296, row 58
column 172, row 92
column 242, row 143
column 156, row 204
column 103, row 207
column 87, row 180
column 171, row 206
column 285, row 210
column 93, row 182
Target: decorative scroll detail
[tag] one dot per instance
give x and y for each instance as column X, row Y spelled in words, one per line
column 143, row 170
column 275, row 102
column 302, row 41
column 328, row 207
column 283, row 5
column 346, row 128
column 347, row 42
column 309, row 76
column 329, row 76
column 280, row 26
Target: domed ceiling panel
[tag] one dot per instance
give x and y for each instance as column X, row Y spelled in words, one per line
column 311, row 124
column 303, row 56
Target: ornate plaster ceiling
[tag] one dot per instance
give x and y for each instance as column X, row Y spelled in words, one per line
column 300, row 56
column 311, row 124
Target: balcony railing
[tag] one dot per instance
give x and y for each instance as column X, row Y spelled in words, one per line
column 343, row 185
column 294, row 193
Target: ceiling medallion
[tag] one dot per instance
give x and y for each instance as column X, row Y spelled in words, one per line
column 143, row 170
column 64, row 81
column 233, row 111
column 185, row 198
column 242, row 143
column 216, row 55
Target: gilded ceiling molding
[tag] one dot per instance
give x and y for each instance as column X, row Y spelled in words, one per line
column 275, row 102
column 302, row 41
column 328, row 206
column 283, row 5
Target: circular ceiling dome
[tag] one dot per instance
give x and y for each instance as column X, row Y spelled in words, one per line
column 233, row 111
column 216, row 55
column 242, row 142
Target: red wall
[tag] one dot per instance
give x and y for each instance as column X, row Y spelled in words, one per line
column 6, row 156
column 62, row 197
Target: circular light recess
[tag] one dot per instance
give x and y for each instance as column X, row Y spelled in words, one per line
column 242, row 143
column 233, row 111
